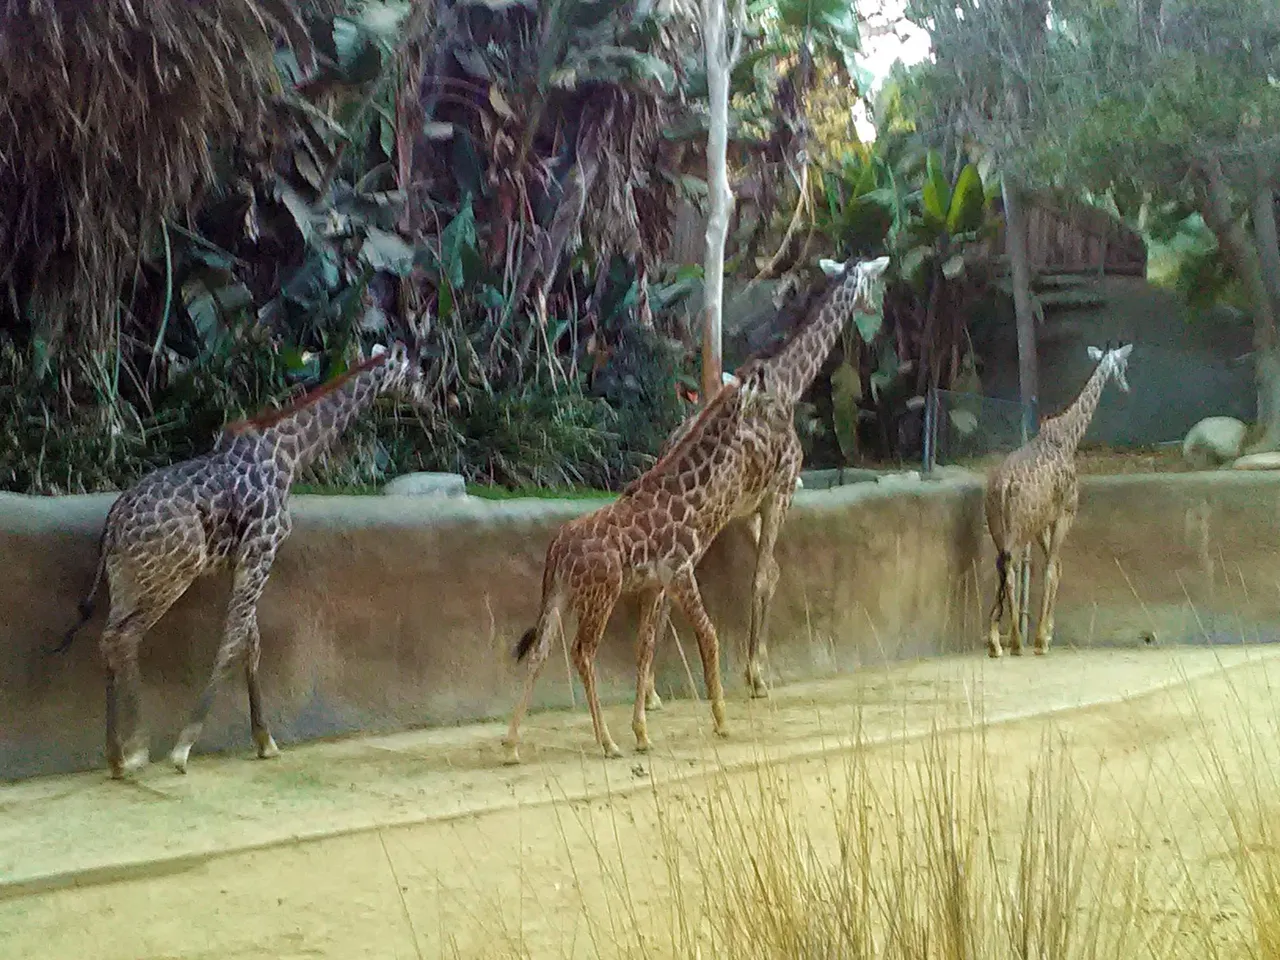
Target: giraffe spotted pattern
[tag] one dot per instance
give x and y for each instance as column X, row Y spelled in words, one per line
column 227, row 508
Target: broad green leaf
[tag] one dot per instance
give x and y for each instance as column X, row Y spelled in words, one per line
column 913, row 262
column 967, row 202
column 868, row 324
column 460, row 234
column 936, row 195
column 886, row 370
column 387, row 137
column 386, row 251
column 846, row 391
column 953, row 267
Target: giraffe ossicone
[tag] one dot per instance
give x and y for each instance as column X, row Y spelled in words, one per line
column 226, row 508
column 1033, row 495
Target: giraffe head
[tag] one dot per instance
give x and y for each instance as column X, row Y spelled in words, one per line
column 404, row 374
column 859, row 279
column 1113, row 361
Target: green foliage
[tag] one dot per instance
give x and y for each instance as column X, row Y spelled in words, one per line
column 930, row 225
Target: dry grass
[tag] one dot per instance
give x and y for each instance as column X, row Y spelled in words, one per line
column 932, row 849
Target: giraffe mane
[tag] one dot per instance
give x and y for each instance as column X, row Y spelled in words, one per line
column 270, row 418
column 687, row 441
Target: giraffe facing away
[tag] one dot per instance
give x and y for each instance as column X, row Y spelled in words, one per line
column 773, row 474
column 649, row 541
column 1033, row 494
column 226, row 508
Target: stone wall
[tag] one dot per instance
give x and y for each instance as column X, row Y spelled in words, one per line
column 390, row 612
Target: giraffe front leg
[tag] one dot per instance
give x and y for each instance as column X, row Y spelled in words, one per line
column 650, row 609
column 772, row 512
column 241, row 624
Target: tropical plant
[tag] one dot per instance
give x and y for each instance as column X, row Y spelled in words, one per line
column 937, row 230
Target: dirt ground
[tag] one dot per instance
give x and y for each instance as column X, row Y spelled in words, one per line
column 421, row 845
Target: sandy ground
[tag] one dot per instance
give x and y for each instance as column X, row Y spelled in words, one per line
column 422, row 845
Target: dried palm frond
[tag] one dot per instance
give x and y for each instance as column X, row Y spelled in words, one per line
column 110, row 116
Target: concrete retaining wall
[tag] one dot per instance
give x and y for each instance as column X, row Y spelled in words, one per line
column 384, row 613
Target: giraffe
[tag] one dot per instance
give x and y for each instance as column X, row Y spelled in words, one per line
column 226, row 508
column 648, row 541
column 774, row 476
column 1032, row 495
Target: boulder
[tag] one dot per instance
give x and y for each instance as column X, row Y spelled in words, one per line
column 426, row 485
column 1258, row 461
column 1213, row 441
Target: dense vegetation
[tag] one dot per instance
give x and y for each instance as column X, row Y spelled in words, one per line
column 208, row 208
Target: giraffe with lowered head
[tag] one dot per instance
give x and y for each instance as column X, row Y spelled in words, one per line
column 1033, row 494
column 226, row 508
column 649, row 541
column 770, row 479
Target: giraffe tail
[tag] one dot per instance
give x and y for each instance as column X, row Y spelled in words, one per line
column 85, row 606
column 527, row 640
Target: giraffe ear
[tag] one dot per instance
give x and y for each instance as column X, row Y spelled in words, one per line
column 832, row 268
column 1095, row 353
column 378, row 350
column 1122, row 353
column 874, row 269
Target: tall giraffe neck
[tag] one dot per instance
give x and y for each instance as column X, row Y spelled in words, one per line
column 798, row 363
column 307, row 432
column 1067, row 429
column 712, row 431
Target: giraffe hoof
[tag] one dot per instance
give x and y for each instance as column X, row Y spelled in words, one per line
column 179, row 757
column 267, row 749
column 1041, row 651
column 135, row 761
column 653, row 702
column 510, row 753
column 643, row 746
column 1015, row 652
column 612, row 751
column 995, row 653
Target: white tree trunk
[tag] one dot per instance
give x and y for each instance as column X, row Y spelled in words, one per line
column 720, row 59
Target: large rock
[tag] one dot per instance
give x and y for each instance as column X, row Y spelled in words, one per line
column 426, row 485
column 1213, row 441
column 1258, row 461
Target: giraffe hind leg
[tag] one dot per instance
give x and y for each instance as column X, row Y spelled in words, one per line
column 591, row 624
column 1051, row 542
column 241, row 625
column 262, row 739
column 128, row 743
column 684, row 588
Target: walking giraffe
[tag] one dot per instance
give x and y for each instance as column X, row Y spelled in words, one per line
column 649, row 541
column 229, row 507
column 773, row 474
column 1033, row 495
